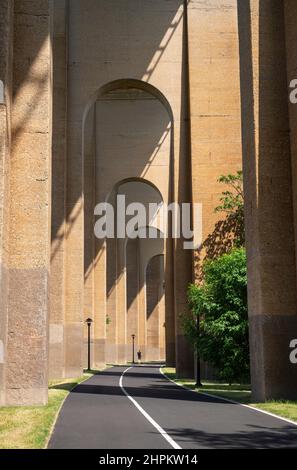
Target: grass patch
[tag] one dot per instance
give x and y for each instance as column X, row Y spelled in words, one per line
column 283, row 408
column 239, row 393
column 30, row 427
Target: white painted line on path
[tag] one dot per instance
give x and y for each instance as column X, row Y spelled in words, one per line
column 147, row 416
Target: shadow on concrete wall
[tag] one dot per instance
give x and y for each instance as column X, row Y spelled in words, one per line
column 130, row 46
column 268, row 197
column 228, row 233
column 134, row 51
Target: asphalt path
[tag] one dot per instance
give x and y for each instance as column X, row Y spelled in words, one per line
column 139, row 408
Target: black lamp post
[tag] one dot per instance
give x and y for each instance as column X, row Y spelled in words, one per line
column 133, row 349
column 198, row 369
column 89, row 322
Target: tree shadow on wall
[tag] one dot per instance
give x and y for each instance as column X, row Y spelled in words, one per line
column 228, row 234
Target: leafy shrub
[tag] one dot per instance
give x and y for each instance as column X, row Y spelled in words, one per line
column 220, row 305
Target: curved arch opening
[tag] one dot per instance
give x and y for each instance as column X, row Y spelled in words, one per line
column 127, row 152
column 128, row 83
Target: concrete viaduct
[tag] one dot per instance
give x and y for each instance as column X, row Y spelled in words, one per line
column 152, row 100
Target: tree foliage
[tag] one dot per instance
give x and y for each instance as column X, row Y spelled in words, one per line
column 220, row 305
column 233, row 199
column 232, row 203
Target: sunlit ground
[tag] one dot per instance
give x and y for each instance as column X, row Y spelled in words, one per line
column 30, row 427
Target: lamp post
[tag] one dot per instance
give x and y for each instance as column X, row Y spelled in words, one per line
column 89, row 322
column 133, row 349
column 198, row 369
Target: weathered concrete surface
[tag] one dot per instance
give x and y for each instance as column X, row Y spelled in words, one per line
column 161, row 27
column 59, row 167
column 155, row 313
column 5, row 85
column 268, row 192
column 149, row 92
column 214, row 102
column 291, row 35
column 26, row 359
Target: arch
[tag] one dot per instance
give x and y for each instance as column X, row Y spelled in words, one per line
column 131, row 180
column 121, row 84
column 111, row 262
column 128, row 83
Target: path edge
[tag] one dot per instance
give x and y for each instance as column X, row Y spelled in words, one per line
column 62, row 404
column 229, row 401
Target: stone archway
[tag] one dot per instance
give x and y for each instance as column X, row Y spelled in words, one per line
column 126, row 264
column 125, row 117
column 128, row 136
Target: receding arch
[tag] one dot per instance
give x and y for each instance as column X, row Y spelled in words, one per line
column 132, row 180
column 133, row 140
column 128, row 83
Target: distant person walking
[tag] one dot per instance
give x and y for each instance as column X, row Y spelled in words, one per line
column 139, row 356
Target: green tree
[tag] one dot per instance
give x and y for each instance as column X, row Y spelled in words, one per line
column 232, row 200
column 232, row 203
column 220, row 305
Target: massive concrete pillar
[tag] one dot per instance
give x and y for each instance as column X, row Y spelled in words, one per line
column 162, row 312
column 290, row 7
column 89, row 162
column 169, row 307
column 155, row 308
column 100, row 267
column 182, row 259
column 132, row 276
column 268, row 193
column 26, row 361
column 152, row 308
column 121, row 302
column 74, row 247
column 100, row 318
column 111, row 300
column 6, row 25
column 213, row 54
column 142, row 339
column 59, row 169
column 111, row 291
